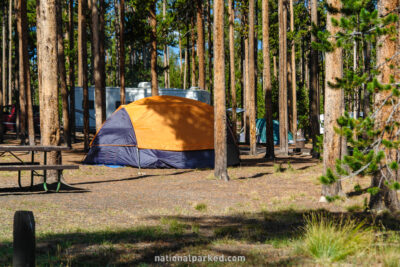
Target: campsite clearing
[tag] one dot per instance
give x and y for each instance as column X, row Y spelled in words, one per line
column 116, row 216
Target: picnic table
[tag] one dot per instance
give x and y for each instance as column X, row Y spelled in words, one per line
column 33, row 166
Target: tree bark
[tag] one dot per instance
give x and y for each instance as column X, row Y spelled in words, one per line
column 251, row 83
column 82, row 68
column 231, row 4
column 385, row 57
column 122, row 50
column 153, row 25
column 220, row 146
column 210, row 49
column 3, row 73
column 48, row 84
column 102, row 58
column 200, row 44
column 267, row 87
column 314, row 100
column 71, row 71
column 334, row 104
column 164, row 11
column 293, row 78
column 4, row 62
column 23, row 65
column 180, row 57
column 185, row 70
column 283, row 108
column 63, row 75
column 193, row 57
column 10, row 71
column 96, row 58
column 246, row 88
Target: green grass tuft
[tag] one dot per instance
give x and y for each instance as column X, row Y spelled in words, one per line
column 330, row 240
column 200, row 207
column 175, row 227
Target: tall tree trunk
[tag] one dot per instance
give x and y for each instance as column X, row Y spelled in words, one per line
column 3, row 73
column 246, row 88
column 200, row 44
column 23, row 65
column 10, row 71
column 385, row 58
column 185, row 70
column 180, row 56
column 251, row 92
column 267, row 87
column 275, row 67
column 164, row 11
column 4, row 58
column 71, row 71
column 293, row 78
column 48, row 80
column 63, row 75
column 283, row 108
column 82, row 68
column 24, row 75
column 334, row 104
column 102, row 58
column 314, row 100
column 220, row 168
column 122, row 50
column 366, row 69
column 193, row 57
column 153, row 25
column 231, row 5
column 210, row 49
column 97, row 71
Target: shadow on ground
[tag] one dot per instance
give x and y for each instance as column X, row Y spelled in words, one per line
column 269, row 232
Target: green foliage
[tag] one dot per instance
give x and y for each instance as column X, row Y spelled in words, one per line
column 372, row 143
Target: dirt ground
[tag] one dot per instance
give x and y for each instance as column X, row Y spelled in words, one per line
column 102, row 198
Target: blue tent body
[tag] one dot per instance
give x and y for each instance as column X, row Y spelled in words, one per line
column 261, row 131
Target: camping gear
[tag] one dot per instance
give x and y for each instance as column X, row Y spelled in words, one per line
column 160, row 132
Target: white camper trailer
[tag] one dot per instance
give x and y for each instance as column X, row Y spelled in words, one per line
column 131, row 94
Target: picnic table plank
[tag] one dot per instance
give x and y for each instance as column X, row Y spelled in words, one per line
column 38, row 167
column 13, row 148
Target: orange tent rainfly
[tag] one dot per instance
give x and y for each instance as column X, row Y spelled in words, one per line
column 159, row 132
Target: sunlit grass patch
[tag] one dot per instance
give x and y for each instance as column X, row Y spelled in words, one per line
column 200, row 207
column 330, row 240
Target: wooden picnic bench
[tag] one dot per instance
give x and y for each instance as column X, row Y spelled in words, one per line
column 35, row 166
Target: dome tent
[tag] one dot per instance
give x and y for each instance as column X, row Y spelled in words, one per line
column 159, row 132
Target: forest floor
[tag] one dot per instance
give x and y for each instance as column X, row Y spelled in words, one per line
column 117, row 216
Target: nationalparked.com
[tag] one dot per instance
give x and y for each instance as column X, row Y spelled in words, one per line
column 199, row 258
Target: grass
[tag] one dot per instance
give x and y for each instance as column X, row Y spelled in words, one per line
column 174, row 226
column 286, row 237
column 278, row 168
column 200, row 207
column 330, row 240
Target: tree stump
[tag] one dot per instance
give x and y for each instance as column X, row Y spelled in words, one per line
column 24, row 239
